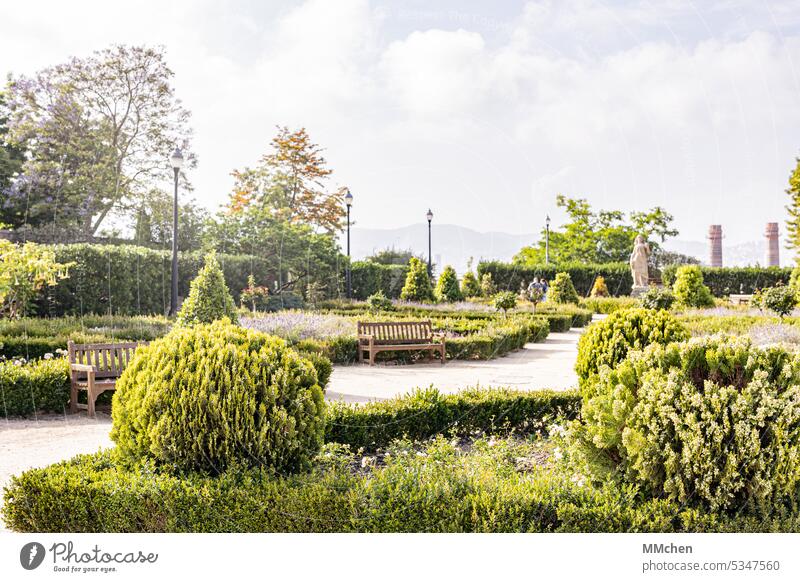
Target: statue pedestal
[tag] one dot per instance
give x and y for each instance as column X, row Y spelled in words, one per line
column 637, row 291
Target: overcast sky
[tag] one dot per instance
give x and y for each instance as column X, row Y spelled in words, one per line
column 483, row 113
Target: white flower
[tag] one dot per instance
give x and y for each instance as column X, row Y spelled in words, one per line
column 48, row 356
column 557, row 430
column 557, row 454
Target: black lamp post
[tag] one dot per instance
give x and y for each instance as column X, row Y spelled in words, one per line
column 547, row 240
column 348, row 200
column 177, row 162
column 429, row 216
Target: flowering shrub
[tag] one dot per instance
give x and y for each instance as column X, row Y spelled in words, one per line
column 254, row 297
column 711, row 423
column 607, row 342
column 504, row 301
column 780, row 299
column 300, row 325
column 657, row 298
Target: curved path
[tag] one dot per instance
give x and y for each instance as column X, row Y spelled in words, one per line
column 549, row 364
column 46, row 439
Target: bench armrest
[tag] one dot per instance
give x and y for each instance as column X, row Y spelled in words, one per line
column 438, row 335
column 366, row 336
column 82, row 368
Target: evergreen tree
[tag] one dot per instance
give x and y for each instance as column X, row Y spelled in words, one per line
column 469, row 285
column 447, row 290
column 209, row 298
column 418, row 284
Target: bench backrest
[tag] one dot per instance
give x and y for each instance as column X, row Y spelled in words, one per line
column 397, row 332
column 109, row 359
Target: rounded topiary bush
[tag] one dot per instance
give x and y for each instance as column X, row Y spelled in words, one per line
column 689, row 290
column 712, row 423
column 207, row 397
column 607, row 342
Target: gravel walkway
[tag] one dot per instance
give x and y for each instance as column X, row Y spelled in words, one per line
column 36, row 442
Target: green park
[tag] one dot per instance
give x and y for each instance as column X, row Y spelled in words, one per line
column 169, row 368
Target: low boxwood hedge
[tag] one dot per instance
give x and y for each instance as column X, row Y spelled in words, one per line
column 493, row 487
column 40, row 385
column 427, row 412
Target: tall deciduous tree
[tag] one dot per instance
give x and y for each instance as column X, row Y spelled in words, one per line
column 598, row 236
column 99, row 131
column 292, row 182
column 793, row 208
column 11, row 156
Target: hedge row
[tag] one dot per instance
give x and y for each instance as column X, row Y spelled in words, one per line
column 368, row 278
column 131, row 280
column 495, row 339
column 509, row 277
column 436, row 489
column 425, row 413
column 41, row 385
column 724, row 281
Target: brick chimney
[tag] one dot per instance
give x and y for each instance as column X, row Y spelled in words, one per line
column 773, row 250
column 715, row 238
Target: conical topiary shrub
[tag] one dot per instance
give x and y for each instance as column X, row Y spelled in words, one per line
column 418, row 283
column 447, row 290
column 562, row 290
column 209, row 298
column 470, row 286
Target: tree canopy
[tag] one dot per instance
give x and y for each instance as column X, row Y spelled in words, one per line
column 97, row 131
column 602, row 236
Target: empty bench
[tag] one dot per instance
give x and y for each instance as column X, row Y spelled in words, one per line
column 392, row 336
column 96, row 368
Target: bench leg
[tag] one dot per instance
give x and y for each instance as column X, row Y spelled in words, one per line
column 90, row 395
column 73, row 398
column 372, row 355
column 444, row 357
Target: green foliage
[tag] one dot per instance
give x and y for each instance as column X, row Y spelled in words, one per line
column 607, row 305
column 392, row 256
column 379, row 302
column 599, row 288
column 597, row 236
column 470, row 286
column 209, row 298
column 418, row 284
column 424, row 413
column 254, row 297
column 131, row 280
column 504, row 301
column 447, row 289
column 495, row 486
column 35, row 386
column 793, row 209
column 689, row 290
column 562, row 290
column 780, row 299
column 712, row 423
column 210, row 396
column 607, row 342
column 488, row 288
column 724, row 281
column 25, row 270
column 368, row 278
column 509, row 276
column 657, row 298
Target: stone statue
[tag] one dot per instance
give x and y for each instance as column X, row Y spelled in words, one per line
column 639, row 256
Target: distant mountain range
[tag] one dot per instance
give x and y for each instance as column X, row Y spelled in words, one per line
column 455, row 245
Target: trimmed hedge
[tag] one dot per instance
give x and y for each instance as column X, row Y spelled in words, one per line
column 509, row 277
column 427, row 412
column 369, row 278
column 437, row 489
column 41, row 385
column 131, row 280
column 724, row 281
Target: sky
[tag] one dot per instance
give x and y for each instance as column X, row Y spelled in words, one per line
column 482, row 111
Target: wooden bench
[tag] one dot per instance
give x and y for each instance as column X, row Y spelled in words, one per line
column 96, row 368
column 392, row 336
column 740, row 299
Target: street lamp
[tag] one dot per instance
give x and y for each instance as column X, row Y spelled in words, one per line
column 429, row 216
column 176, row 159
column 547, row 240
column 348, row 200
